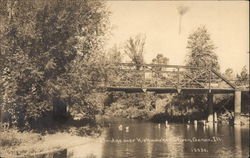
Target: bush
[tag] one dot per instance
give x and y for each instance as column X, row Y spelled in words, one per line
column 132, row 112
column 86, row 131
column 8, row 139
column 14, row 138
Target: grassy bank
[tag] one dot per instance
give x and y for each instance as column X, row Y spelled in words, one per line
column 46, row 135
column 19, row 144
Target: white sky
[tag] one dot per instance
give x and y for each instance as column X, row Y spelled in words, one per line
column 226, row 21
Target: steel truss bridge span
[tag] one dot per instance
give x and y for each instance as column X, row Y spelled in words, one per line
column 161, row 78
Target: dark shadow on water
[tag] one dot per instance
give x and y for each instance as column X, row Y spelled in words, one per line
column 58, row 154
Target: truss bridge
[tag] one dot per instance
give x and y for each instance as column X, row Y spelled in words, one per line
column 158, row 78
column 130, row 77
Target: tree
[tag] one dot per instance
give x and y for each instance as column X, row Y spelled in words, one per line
column 134, row 48
column 201, row 53
column 114, row 55
column 201, row 49
column 47, row 48
column 134, row 105
column 243, row 77
column 160, row 59
column 229, row 74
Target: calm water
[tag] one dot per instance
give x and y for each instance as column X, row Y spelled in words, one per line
column 148, row 140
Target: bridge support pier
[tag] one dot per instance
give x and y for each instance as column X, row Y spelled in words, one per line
column 237, row 107
column 210, row 117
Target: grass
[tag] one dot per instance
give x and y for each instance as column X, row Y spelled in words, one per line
column 48, row 137
column 14, row 143
column 14, row 138
column 11, row 141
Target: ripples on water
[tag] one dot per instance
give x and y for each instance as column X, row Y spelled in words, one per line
column 148, row 140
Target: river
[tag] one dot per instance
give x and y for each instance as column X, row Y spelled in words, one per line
column 143, row 139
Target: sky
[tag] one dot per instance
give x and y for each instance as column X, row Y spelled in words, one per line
column 226, row 21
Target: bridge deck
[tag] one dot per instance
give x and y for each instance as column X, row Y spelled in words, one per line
column 172, row 90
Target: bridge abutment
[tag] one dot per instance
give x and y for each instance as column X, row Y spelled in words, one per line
column 237, row 107
column 210, row 117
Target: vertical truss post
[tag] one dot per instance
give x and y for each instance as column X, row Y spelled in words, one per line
column 134, row 79
column 209, row 83
column 178, row 78
column 144, row 73
column 105, row 80
column 156, row 79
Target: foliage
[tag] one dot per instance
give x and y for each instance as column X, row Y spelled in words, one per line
column 131, row 105
column 15, row 138
column 134, row 48
column 114, row 55
column 123, row 104
column 86, row 131
column 9, row 139
column 93, row 103
column 243, row 77
column 229, row 74
column 160, row 59
column 49, row 51
column 201, row 50
column 188, row 100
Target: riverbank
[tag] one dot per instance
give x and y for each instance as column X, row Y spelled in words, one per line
column 21, row 144
column 225, row 118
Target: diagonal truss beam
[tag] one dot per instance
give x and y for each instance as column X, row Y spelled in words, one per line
column 194, row 78
column 223, row 78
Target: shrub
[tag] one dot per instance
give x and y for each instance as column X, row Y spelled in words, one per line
column 86, row 131
column 14, row 138
column 8, row 139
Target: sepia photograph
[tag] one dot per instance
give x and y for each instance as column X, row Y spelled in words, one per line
column 124, row 79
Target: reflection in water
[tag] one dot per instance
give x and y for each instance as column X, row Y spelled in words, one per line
column 145, row 139
column 237, row 138
column 89, row 150
column 215, row 128
column 59, row 154
column 175, row 150
column 195, row 127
